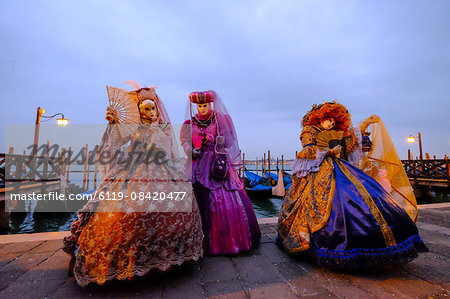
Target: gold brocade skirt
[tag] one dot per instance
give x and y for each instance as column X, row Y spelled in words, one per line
column 122, row 245
column 306, row 206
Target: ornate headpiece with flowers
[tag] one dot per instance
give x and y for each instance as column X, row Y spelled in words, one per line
column 202, row 97
column 144, row 93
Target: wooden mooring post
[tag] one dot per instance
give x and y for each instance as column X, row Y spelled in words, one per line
column 448, row 169
column 263, row 170
column 85, row 166
column 243, row 164
column 95, row 171
column 4, row 214
column 69, row 156
column 45, row 164
column 88, row 172
column 63, row 163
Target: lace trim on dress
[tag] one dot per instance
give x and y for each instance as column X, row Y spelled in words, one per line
column 356, row 156
column 84, row 280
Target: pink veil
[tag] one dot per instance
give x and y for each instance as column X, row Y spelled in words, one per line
column 225, row 126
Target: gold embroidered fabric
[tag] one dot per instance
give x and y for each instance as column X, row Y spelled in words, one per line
column 324, row 137
column 308, row 153
column 313, row 137
column 306, row 207
column 384, row 227
column 308, row 135
column 308, row 139
column 307, row 204
column 351, row 142
column 121, row 245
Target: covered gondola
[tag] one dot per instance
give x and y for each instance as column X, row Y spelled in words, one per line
column 257, row 186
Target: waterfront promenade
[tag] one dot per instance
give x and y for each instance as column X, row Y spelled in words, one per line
column 34, row 266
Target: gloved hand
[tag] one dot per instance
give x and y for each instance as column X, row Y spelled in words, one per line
column 111, row 115
column 335, row 150
column 371, row 120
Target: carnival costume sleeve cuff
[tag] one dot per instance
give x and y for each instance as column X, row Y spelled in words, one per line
column 302, row 167
column 355, row 156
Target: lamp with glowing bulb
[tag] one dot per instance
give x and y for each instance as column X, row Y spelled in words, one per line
column 63, row 122
column 411, row 139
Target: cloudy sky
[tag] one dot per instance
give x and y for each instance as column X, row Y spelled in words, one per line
column 268, row 60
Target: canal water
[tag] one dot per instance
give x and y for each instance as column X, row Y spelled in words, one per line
column 21, row 223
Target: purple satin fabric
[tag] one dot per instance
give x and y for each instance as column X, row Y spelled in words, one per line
column 201, row 167
column 230, row 232
column 228, row 219
column 352, row 238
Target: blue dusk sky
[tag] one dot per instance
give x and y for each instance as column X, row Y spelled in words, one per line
column 270, row 61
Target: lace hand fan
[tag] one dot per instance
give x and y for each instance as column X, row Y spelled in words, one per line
column 329, row 138
column 126, row 110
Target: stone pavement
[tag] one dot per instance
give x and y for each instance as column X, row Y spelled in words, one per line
column 35, row 267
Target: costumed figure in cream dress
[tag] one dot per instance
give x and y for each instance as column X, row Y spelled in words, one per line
column 151, row 226
column 345, row 208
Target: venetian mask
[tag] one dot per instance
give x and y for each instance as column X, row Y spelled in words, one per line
column 204, row 108
column 148, row 110
column 327, row 124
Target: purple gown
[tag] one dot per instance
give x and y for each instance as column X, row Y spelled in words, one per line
column 228, row 220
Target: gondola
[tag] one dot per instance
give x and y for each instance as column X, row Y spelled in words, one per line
column 257, row 186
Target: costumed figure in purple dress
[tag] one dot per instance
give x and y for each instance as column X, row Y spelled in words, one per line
column 341, row 215
column 228, row 220
column 136, row 231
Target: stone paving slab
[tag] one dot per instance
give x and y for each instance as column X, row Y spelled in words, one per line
column 38, row 269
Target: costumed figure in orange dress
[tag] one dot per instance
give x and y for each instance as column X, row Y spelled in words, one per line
column 150, row 224
column 345, row 208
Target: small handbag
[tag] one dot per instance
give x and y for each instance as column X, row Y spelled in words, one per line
column 219, row 167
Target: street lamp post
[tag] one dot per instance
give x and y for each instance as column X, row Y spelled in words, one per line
column 61, row 122
column 36, row 129
column 411, row 139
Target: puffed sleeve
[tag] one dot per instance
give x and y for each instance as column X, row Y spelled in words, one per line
column 353, row 146
column 311, row 156
column 186, row 137
column 308, row 139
